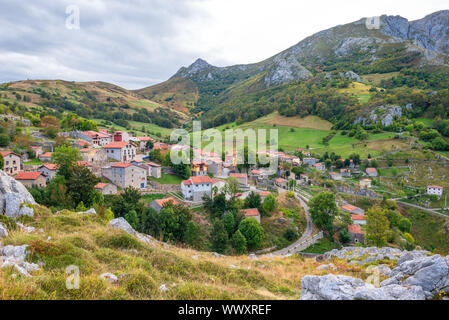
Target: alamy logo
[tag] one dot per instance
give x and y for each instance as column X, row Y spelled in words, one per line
column 72, row 21
column 72, row 281
column 372, row 23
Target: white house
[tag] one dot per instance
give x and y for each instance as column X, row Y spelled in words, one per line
column 11, row 162
column 195, row 188
column 365, row 183
column 100, row 139
column 335, row 176
column 436, row 190
column 372, row 172
column 106, row 188
column 126, row 175
column 49, row 170
column 122, row 151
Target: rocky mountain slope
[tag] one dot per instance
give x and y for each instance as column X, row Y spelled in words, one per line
column 345, row 51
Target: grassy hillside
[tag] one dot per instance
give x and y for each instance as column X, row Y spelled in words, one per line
column 296, row 132
column 178, row 93
column 87, row 242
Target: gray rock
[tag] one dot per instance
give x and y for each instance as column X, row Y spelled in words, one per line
column 26, row 211
column 331, row 287
column 384, row 270
column 3, row 231
column 12, row 195
column 121, row 223
column 14, row 256
column 90, row 211
column 109, row 277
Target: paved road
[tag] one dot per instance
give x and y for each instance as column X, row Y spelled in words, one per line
column 305, row 236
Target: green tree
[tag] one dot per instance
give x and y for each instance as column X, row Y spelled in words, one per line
column 405, row 225
column 269, row 204
column 344, row 236
column 132, row 219
column 252, row 231
column 229, row 223
column 4, row 140
column 66, row 157
column 81, row 185
column 377, row 226
column 253, row 200
column 2, row 162
column 238, row 242
column 219, row 237
column 323, row 209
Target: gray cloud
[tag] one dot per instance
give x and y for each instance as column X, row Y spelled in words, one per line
column 136, row 43
column 129, row 43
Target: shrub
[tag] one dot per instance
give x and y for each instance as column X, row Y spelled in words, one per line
column 9, row 223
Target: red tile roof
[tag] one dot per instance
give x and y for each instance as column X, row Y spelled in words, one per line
column 152, row 164
column 83, row 143
column 371, row 170
column 50, row 166
column 238, row 175
column 28, row 175
column 358, row 217
column 116, row 145
column 84, row 163
column 435, row 187
column 145, row 138
column 355, row 229
column 280, row 180
column 100, row 185
column 45, row 155
column 5, row 153
column 202, row 179
column 349, row 207
column 162, row 202
column 251, row 212
column 122, row 165
column 264, row 193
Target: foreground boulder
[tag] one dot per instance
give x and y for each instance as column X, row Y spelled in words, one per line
column 13, row 196
column 331, row 287
column 14, row 256
column 417, row 276
column 121, row 223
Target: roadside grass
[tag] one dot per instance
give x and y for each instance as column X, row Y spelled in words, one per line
column 322, row 246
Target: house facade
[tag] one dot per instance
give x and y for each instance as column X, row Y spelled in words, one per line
column 121, row 151
column 49, row 170
column 242, row 178
column 158, row 204
column 372, row 172
column 435, row 190
column 106, row 188
column 353, row 209
column 252, row 213
column 31, row 179
column 199, row 169
column 99, row 139
column 126, row 175
column 12, row 162
column 195, row 188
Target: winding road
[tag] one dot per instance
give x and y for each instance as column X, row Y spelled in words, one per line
column 305, row 239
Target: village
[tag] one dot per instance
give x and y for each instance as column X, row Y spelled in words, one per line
column 121, row 160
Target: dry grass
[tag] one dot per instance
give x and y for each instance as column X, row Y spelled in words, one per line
column 309, row 122
column 87, row 241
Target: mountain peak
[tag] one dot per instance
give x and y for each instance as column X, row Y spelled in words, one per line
column 196, row 67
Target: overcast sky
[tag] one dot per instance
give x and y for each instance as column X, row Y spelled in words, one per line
column 136, row 43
